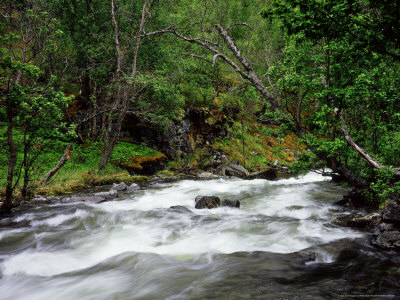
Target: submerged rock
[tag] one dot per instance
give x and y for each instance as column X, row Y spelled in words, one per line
column 180, row 209
column 231, row 203
column 207, row 202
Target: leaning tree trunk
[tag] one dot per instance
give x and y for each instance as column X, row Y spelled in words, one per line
column 61, row 163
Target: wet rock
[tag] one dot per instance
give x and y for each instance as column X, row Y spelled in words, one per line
column 133, row 187
column 119, row 186
column 39, row 199
column 207, row 202
column 236, row 170
column 269, row 174
column 92, row 199
column 356, row 220
column 385, row 227
column 231, row 203
column 198, row 198
column 107, row 195
column 207, row 175
column 391, row 213
column 180, row 209
column 388, row 240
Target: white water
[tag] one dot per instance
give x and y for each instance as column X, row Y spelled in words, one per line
column 282, row 216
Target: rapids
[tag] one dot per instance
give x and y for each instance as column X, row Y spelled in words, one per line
column 281, row 243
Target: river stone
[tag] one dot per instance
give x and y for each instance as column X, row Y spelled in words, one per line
column 388, row 240
column 391, row 213
column 133, row 187
column 207, row 175
column 107, row 195
column 119, row 186
column 231, row 203
column 198, row 198
column 92, row 199
column 207, row 202
column 236, row 170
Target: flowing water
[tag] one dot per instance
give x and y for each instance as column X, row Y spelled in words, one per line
column 281, row 244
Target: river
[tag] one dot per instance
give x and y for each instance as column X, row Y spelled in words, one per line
column 281, row 244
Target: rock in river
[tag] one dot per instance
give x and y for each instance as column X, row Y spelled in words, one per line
column 207, row 202
column 231, row 203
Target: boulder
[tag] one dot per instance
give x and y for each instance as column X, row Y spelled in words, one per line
column 231, row 203
column 388, row 240
column 107, row 195
column 119, row 186
column 207, row 202
column 356, row 220
column 236, row 170
column 133, row 187
column 391, row 213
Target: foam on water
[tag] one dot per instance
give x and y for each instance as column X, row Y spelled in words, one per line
column 280, row 216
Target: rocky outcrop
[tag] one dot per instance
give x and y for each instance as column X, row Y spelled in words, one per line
column 391, row 213
column 207, row 202
column 231, row 203
column 236, row 171
column 133, row 188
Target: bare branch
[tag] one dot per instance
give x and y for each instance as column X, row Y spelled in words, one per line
column 198, row 56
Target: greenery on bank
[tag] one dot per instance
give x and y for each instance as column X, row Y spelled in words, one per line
column 81, row 169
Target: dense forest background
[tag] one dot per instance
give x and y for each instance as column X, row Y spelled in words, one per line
column 107, row 84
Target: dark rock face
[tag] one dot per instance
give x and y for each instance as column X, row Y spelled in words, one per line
column 231, row 203
column 269, row 174
column 388, row 240
column 216, row 163
column 236, row 170
column 207, row 202
column 353, row 199
column 391, row 213
column 356, row 220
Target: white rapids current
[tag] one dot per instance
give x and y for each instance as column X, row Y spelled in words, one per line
column 117, row 249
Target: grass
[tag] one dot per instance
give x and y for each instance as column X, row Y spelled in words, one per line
column 263, row 145
column 81, row 169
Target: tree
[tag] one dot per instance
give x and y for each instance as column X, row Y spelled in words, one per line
column 30, row 102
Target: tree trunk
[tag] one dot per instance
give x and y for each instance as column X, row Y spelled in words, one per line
column 62, row 162
column 7, row 204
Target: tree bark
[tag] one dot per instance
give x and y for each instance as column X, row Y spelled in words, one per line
column 7, row 204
